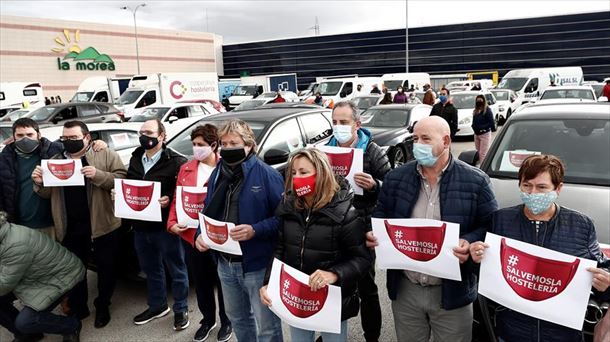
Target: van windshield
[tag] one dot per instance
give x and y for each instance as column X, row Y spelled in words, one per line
column 392, row 84
column 245, row 90
column 129, row 97
column 512, row 83
column 329, row 88
column 500, row 95
column 83, row 96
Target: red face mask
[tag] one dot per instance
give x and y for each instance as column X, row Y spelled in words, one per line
column 304, row 185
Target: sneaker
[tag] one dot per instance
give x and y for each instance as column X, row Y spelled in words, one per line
column 181, row 320
column 149, row 315
column 225, row 332
column 75, row 336
column 203, row 332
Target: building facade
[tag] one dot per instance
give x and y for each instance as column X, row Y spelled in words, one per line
column 569, row 40
column 60, row 54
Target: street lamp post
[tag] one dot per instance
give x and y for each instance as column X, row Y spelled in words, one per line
column 135, row 28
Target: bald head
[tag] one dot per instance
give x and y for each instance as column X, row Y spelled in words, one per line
column 433, row 125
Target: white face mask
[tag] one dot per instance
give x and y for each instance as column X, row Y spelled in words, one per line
column 201, row 152
column 343, row 133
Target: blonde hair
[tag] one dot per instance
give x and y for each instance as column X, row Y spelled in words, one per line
column 326, row 184
column 240, row 128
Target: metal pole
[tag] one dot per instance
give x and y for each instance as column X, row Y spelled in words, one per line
column 407, row 35
column 135, row 27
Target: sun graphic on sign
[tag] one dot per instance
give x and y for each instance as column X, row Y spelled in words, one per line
column 68, row 43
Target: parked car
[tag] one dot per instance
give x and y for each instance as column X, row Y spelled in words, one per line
column 173, row 112
column 598, row 88
column 251, row 104
column 6, row 110
column 279, row 130
column 6, row 134
column 88, row 112
column 582, row 93
column 365, row 102
column 391, row 126
column 505, row 99
column 215, row 104
column 16, row 114
column 464, row 102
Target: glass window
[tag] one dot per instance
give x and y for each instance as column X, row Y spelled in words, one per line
column 464, row 101
column 387, row 117
column 532, row 86
column 245, row 90
column 68, row 113
column 2, row 95
column 30, row 92
column 286, row 136
column 148, row 99
column 195, row 111
column 119, row 139
column 130, row 96
column 180, row 113
column 102, row 96
column 513, row 83
column 348, row 88
column 42, row 114
column 89, row 110
column 392, row 84
column 150, row 113
column 82, row 96
column 501, row 95
column 366, row 102
column 316, row 127
column 567, row 94
column 490, row 99
column 329, row 88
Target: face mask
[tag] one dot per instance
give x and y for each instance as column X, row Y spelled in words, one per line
column 233, row 156
column 343, row 133
column 443, row 98
column 201, row 152
column 304, row 185
column 400, row 90
column 423, row 154
column 539, row 202
column 26, row 145
column 479, row 104
column 73, row 146
column 147, row 142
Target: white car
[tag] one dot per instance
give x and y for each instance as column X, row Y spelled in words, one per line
column 289, row 96
column 173, row 112
column 506, row 104
column 464, row 102
column 16, row 114
column 564, row 94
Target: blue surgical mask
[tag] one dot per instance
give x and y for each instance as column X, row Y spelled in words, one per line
column 443, row 98
column 423, row 154
column 343, row 133
column 539, row 202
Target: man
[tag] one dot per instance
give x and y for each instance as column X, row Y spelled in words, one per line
column 447, row 111
column 84, row 216
column 225, row 102
column 606, row 89
column 347, row 132
column 375, row 89
column 39, row 272
column 244, row 190
column 436, row 186
column 278, row 98
column 156, row 247
column 429, row 96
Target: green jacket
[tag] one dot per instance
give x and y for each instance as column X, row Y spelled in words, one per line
column 36, row 269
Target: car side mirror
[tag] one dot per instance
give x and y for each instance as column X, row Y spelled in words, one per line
column 469, row 157
column 276, row 156
column 172, row 118
column 342, row 94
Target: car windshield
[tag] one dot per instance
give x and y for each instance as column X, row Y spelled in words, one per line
column 182, row 142
column 563, row 138
column 512, row 83
column 329, row 88
column 381, row 117
column 83, row 96
column 250, row 105
column 42, row 114
column 150, row 113
column 14, row 115
column 463, row 101
column 501, row 95
column 245, row 90
column 365, row 102
column 392, row 84
column 129, row 97
column 598, row 89
column 583, row 94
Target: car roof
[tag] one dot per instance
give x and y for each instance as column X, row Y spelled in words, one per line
column 583, row 110
column 583, row 87
column 270, row 112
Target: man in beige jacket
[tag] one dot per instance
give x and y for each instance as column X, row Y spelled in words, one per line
column 84, row 216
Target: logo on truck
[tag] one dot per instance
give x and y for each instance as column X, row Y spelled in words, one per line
column 177, row 90
column 87, row 59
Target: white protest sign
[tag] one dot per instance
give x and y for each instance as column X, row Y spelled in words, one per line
column 138, row 200
column 346, row 162
column 421, row 245
column 62, row 172
column 512, row 160
column 536, row 281
column 216, row 235
column 189, row 202
column 120, row 140
column 295, row 304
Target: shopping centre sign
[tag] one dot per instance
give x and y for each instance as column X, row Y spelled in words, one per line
column 87, row 59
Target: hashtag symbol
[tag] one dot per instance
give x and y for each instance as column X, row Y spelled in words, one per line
column 286, row 283
column 398, row 234
column 512, row 260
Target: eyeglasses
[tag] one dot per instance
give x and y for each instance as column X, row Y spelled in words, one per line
column 72, row 137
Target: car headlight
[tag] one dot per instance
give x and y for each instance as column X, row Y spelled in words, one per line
column 465, row 121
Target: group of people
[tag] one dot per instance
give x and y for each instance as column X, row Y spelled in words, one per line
column 52, row 100
column 310, row 219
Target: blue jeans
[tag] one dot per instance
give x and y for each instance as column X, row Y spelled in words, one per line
column 300, row 335
column 154, row 249
column 252, row 321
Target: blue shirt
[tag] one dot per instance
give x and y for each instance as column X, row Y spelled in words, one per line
column 149, row 163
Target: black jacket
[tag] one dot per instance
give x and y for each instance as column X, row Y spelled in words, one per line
column 332, row 239
column 9, row 200
column 447, row 112
column 376, row 164
column 164, row 171
column 483, row 122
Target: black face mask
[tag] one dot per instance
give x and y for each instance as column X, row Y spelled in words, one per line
column 26, row 145
column 479, row 104
column 73, row 146
column 148, row 142
column 233, row 156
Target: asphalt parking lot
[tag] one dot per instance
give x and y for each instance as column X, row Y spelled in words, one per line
column 130, row 299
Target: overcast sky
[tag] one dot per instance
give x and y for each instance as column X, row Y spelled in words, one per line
column 244, row 21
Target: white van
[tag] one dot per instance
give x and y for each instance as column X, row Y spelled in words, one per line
column 335, row 90
column 101, row 89
column 406, row 80
column 18, row 95
column 529, row 84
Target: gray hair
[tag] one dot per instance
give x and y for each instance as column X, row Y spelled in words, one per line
column 352, row 106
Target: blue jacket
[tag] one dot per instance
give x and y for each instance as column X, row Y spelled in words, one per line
column 466, row 198
column 567, row 232
column 8, row 174
column 260, row 195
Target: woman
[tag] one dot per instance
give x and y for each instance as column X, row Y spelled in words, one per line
column 482, row 125
column 387, row 99
column 196, row 173
column 400, row 96
column 320, row 234
column 539, row 220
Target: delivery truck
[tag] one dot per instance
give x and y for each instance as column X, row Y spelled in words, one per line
column 101, row 89
column 19, row 95
column 166, row 88
column 528, row 84
column 252, row 86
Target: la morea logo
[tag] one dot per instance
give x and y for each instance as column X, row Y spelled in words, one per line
column 87, row 59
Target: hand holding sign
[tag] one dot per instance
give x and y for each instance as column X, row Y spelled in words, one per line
column 462, row 252
column 37, row 175
column 477, row 251
column 601, row 278
column 89, row 171
column 242, row 232
column 215, row 234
